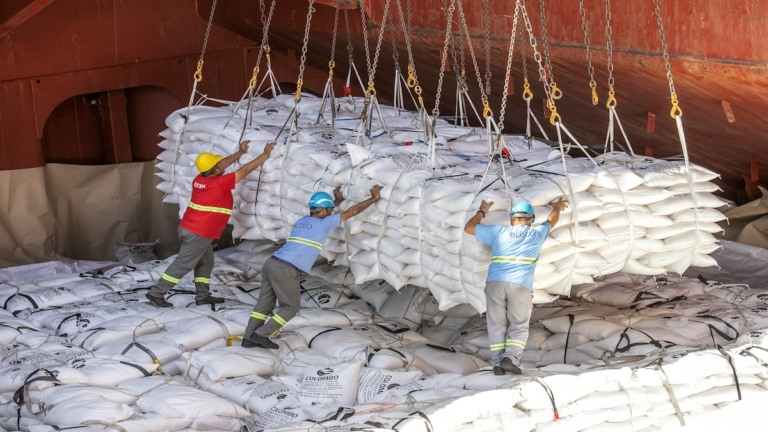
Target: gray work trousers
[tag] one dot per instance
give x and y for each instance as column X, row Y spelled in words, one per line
column 508, row 313
column 279, row 282
column 196, row 253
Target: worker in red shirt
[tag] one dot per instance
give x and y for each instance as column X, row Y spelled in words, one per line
column 204, row 220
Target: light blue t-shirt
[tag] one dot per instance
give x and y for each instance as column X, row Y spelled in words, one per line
column 306, row 241
column 515, row 250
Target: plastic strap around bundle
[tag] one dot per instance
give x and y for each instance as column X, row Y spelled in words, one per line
column 143, row 348
column 5, row 305
column 221, row 324
column 137, row 367
column 17, row 328
column 309, row 343
column 371, row 354
column 76, row 316
column 748, row 352
column 639, row 298
column 34, row 305
column 390, row 330
column 21, row 396
column 713, row 329
column 567, row 338
column 651, row 341
column 671, row 393
column 733, row 368
column 93, row 331
column 420, row 415
column 555, row 413
column 341, row 414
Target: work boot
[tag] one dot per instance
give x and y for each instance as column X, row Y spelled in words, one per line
column 498, row 370
column 158, row 301
column 507, row 365
column 255, row 340
column 247, row 343
column 211, row 300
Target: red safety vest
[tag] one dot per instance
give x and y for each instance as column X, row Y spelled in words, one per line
column 211, row 205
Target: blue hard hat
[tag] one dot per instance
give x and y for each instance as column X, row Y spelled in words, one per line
column 522, row 209
column 321, row 200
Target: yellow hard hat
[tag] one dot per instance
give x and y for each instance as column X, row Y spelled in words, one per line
column 206, row 161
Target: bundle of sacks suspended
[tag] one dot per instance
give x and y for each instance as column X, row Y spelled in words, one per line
column 626, row 213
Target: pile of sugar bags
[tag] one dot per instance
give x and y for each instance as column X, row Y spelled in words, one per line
column 625, row 352
column 626, row 213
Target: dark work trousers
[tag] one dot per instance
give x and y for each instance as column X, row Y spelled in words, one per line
column 195, row 253
column 279, row 281
column 507, row 314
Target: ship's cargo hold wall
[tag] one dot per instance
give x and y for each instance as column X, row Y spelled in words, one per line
column 90, row 82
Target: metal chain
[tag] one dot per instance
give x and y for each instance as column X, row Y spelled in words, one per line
column 408, row 14
column 413, row 79
column 484, row 97
column 554, row 116
column 590, row 67
column 675, row 111
column 487, row 37
column 463, row 51
column 545, row 39
column 300, row 80
column 349, row 33
column 395, row 53
column 527, row 94
column 448, row 25
column 556, row 93
column 263, row 16
column 454, row 58
column 199, row 72
column 365, row 38
column 266, row 21
column 508, row 72
column 332, row 62
column 611, row 102
column 374, row 65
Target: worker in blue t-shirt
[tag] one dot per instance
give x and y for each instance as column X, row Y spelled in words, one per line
column 509, row 284
column 282, row 272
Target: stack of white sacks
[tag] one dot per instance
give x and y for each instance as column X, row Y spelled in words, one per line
column 86, row 352
column 627, row 213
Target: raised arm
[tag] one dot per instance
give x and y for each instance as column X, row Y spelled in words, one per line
column 337, row 196
column 362, row 205
column 554, row 215
column 229, row 160
column 469, row 227
column 246, row 169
